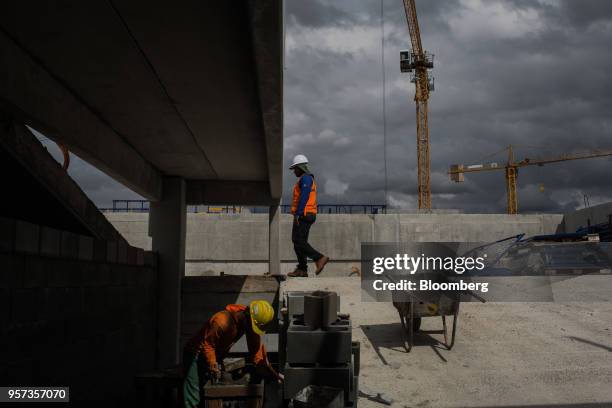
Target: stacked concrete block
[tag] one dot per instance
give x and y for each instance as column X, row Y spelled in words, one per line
column 70, row 245
column 320, row 309
column 27, row 237
column 318, row 346
column 7, row 234
column 122, row 252
column 111, row 252
column 86, row 248
column 50, row 241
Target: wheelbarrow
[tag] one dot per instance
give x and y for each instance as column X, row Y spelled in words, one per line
column 412, row 311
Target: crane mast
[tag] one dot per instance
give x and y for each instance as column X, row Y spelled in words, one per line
column 457, row 171
column 418, row 62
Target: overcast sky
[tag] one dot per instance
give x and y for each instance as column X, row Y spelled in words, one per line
column 536, row 74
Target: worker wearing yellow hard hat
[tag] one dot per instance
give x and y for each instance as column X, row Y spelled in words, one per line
column 211, row 344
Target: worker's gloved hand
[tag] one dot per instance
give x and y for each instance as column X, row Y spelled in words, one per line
column 296, row 219
column 215, row 374
column 280, row 378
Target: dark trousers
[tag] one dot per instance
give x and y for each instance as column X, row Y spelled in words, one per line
column 195, row 372
column 299, row 236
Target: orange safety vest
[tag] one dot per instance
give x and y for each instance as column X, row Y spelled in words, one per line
column 311, row 204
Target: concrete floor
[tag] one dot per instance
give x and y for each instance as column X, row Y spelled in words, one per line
column 506, row 354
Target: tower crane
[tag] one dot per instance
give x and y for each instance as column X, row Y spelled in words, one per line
column 418, row 62
column 457, row 171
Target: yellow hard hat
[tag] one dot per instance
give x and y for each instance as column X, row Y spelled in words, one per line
column 262, row 313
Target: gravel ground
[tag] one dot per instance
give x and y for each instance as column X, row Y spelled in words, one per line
column 506, row 354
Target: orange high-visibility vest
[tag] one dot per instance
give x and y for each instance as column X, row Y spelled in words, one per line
column 311, row 204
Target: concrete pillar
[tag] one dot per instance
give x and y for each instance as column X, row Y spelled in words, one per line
column 274, row 240
column 167, row 227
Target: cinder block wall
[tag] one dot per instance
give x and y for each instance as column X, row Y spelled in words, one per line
column 75, row 312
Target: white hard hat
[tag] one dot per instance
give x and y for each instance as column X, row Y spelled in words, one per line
column 299, row 159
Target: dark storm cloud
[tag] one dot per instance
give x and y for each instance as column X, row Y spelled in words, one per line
column 317, row 14
column 535, row 74
column 585, row 12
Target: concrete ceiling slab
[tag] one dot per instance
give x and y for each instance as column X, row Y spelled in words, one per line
column 195, row 88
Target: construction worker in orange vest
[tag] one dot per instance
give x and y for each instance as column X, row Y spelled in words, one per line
column 304, row 210
column 211, row 344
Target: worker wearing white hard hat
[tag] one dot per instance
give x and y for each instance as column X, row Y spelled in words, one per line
column 304, row 210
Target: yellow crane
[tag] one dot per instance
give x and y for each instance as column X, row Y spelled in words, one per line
column 457, row 171
column 418, row 62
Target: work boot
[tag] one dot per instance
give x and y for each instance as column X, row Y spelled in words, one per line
column 298, row 273
column 321, row 264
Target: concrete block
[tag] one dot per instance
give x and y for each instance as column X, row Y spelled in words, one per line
column 122, row 252
column 295, row 302
column 86, row 248
column 50, row 241
column 5, row 307
column 95, row 301
column 321, row 397
column 140, row 256
column 55, row 270
column 319, row 346
column 34, row 274
column 100, row 251
column 7, row 234
column 131, row 255
column 28, row 305
column 118, row 274
column 150, row 259
column 296, row 378
column 11, row 270
column 64, row 302
column 70, row 245
column 27, row 237
column 320, row 309
column 111, row 252
column 95, row 274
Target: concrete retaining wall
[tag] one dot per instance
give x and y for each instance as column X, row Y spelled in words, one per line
column 75, row 312
column 238, row 243
column 588, row 216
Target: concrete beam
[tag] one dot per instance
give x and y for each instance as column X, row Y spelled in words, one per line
column 23, row 146
column 216, row 192
column 268, row 33
column 38, row 98
column 167, row 227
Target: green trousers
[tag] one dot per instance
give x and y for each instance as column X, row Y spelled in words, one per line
column 195, row 372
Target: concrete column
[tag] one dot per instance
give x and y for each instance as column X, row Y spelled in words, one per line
column 167, row 227
column 274, row 240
